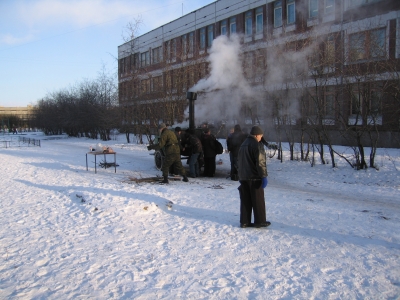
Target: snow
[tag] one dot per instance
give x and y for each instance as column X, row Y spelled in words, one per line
column 68, row 233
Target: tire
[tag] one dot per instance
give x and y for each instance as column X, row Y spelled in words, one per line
column 158, row 160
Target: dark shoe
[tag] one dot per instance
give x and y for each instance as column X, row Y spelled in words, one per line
column 185, row 179
column 245, row 225
column 259, row 225
column 165, row 180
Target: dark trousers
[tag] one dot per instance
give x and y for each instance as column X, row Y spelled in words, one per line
column 251, row 200
column 173, row 161
column 209, row 166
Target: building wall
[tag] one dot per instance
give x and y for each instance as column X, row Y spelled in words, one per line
column 343, row 22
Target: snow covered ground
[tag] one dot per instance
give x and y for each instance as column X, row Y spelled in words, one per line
column 68, row 233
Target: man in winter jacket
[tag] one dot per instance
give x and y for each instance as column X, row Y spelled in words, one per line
column 233, row 142
column 252, row 168
column 169, row 142
column 194, row 147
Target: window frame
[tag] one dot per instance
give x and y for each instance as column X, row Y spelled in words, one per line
column 232, row 25
column 259, row 20
column 289, row 4
column 248, row 23
column 313, row 8
column 278, row 14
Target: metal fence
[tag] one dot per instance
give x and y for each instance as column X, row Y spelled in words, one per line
column 18, row 141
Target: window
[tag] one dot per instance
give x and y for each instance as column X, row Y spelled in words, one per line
column 377, row 43
column 145, row 83
column 224, row 30
column 202, row 38
column 313, row 8
column 145, row 59
column 248, row 23
column 157, row 55
column 329, row 6
column 291, row 12
column 156, row 84
column 191, row 42
column 367, row 44
column 259, row 20
column 173, row 49
column 278, row 13
column 232, row 25
column 356, row 101
column 184, row 45
column 210, row 35
column 330, row 51
column 329, row 102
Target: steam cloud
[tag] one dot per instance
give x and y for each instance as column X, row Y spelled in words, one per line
column 222, row 93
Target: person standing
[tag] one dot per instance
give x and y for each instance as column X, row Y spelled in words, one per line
column 169, row 142
column 233, row 142
column 209, row 150
column 252, row 170
column 193, row 145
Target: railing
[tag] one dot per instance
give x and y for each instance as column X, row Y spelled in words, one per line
column 18, row 141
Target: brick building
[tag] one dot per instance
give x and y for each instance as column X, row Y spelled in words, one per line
column 319, row 70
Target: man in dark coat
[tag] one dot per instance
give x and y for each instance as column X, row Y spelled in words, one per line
column 209, row 151
column 169, row 142
column 233, row 142
column 252, row 167
column 194, row 147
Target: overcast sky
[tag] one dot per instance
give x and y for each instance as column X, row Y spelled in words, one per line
column 49, row 45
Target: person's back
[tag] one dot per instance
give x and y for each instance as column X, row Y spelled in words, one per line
column 234, row 141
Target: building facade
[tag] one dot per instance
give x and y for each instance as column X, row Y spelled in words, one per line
column 325, row 71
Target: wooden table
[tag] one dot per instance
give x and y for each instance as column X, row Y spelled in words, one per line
column 96, row 153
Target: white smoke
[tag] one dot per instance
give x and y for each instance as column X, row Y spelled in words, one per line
column 222, row 93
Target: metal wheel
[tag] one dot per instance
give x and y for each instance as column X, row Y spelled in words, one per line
column 158, row 160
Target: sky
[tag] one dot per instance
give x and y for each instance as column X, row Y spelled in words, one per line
column 50, row 45
column 70, row 233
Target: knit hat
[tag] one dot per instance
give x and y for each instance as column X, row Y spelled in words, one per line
column 177, row 129
column 237, row 128
column 255, row 130
column 162, row 126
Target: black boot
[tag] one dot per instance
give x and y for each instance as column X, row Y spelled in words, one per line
column 185, row 179
column 165, row 180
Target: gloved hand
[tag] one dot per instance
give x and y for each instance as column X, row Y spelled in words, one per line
column 264, row 182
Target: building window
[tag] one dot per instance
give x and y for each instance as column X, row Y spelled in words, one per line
column 259, row 20
column 248, row 23
column 156, row 55
column 330, row 51
column 145, row 59
column 329, row 6
column 173, row 49
column 356, row 101
column 156, row 84
column 184, row 45
column 202, row 38
column 291, row 12
column 224, row 29
column 329, row 102
column 210, row 35
column 232, row 26
column 278, row 14
column 377, row 43
column 367, row 44
column 191, row 42
column 313, row 8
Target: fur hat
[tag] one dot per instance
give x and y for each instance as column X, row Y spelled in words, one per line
column 237, row 128
column 207, row 130
column 177, row 129
column 255, row 130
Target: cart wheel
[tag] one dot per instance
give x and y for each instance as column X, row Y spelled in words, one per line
column 158, row 160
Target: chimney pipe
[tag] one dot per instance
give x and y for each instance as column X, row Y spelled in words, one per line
column 191, row 96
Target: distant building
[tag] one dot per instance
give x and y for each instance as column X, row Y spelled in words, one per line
column 24, row 113
column 323, row 69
